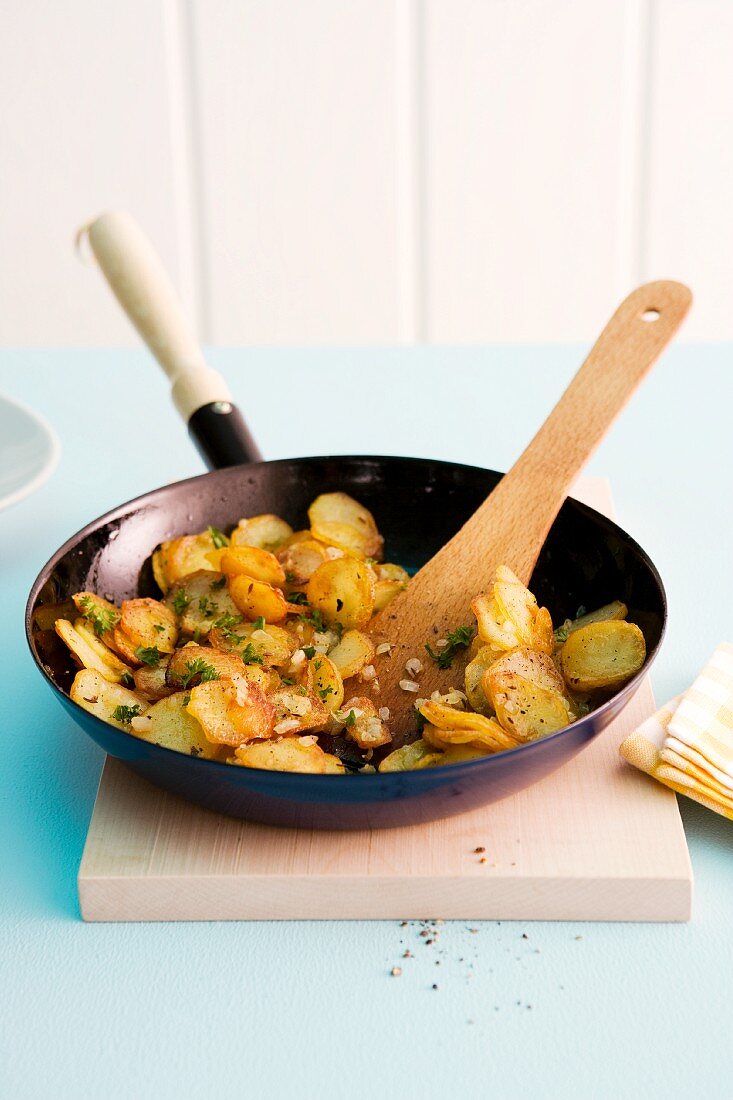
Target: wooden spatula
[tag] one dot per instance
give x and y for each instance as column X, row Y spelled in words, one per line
column 512, row 524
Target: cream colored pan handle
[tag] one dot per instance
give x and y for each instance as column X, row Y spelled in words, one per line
column 142, row 287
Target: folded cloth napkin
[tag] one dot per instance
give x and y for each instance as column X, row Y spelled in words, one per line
column 688, row 745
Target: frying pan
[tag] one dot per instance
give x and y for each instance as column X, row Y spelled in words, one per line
column 587, row 559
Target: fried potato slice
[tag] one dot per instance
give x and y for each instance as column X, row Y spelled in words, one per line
column 525, row 708
column 149, row 624
column 113, row 703
column 614, row 610
column 252, row 561
column 270, row 646
column 256, row 600
column 297, row 710
column 484, row 658
column 457, row 727
column 323, row 679
column 301, row 558
column 89, row 650
column 288, row 754
column 267, row 532
column 362, row 724
column 352, row 653
column 602, row 655
column 200, row 599
column 150, row 680
column 195, row 664
column 411, row 758
column 339, row 520
column 536, row 667
column 169, row 724
column 231, row 712
column 343, row 591
column 508, row 617
column 101, row 615
column 176, row 558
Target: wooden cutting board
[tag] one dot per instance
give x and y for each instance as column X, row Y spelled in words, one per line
column 597, row 840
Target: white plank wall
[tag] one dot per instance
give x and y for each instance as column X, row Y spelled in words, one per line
column 376, row 171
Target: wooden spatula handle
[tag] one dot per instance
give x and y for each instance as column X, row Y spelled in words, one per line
column 535, row 487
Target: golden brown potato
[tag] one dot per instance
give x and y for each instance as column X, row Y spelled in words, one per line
column 288, row 754
column 177, row 558
column 195, row 664
column 256, row 600
column 525, row 708
column 270, row 646
column 483, row 659
column 602, row 655
column 338, row 520
column 301, row 558
column 230, row 712
column 362, row 724
column 199, row 600
column 150, row 680
column 149, row 624
column 322, row 678
column 353, row 652
column 614, row 610
column 169, row 724
column 267, row 532
column 343, row 591
column 534, row 666
column 508, row 616
column 411, row 758
column 113, row 703
column 101, row 615
column 297, row 710
column 252, row 561
column 90, row 650
column 464, row 727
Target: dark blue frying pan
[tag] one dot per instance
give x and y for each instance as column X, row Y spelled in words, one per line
column 587, row 559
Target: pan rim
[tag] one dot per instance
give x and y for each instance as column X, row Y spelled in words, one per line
column 385, row 779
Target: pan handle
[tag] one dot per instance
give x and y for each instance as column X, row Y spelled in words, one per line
column 136, row 275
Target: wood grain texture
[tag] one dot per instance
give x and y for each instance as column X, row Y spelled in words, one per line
column 511, row 526
column 596, row 841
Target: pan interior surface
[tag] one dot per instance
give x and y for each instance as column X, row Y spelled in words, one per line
column 418, row 505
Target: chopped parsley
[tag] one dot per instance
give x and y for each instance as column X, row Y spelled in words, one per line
column 325, row 692
column 250, row 656
column 420, row 720
column 259, row 624
column 314, row 617
column 220, row 583
column 297, row 597
column 310, row 652
column 149, row 655
column 561, row 634
column 180, row 601
column 126, row 714
column 460, row 638
column 207, row 607
column 318, row 665
column 186, row 700
column 197, row 634
column 158, row 628
column 226, row 622
column 350, row 719
column 198, row 667
column 103, row 619
column 126, row 680
column 287, row 680
column 218, row 538
column 301, row 690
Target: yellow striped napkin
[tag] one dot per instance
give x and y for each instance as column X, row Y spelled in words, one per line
column 688, row 745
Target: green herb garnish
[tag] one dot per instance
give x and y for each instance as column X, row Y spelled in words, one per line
column 158, row 628
column 207, row 607
column 420, row 720
column 103, row 619
column 126, row 680
column 220, row 583
column 149, row 655
column 460, row 638
column 561, row 635
column 301, row 690
column 287, row 681
column 186, row 700
column 250, row 656
column 218, row 538
column 297, row 597
column 180, row 601
column 325, row 692
column 197, row 634
column 350, row 719
column 126, row 714
column 198, row 667
column 314, row 617
column 259, row 624
column 310, row 652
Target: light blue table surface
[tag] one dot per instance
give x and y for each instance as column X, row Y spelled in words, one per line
column 310, row 1009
